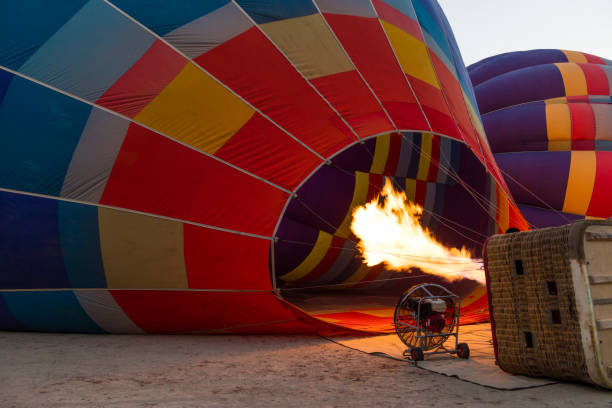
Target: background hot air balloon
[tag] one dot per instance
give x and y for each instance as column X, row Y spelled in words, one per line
column 548, row 119
column 188, row 166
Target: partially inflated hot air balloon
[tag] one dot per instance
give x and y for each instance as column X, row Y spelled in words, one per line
column 548, row 118
column 189, row 166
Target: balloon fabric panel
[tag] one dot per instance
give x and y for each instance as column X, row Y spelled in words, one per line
column 200, row 163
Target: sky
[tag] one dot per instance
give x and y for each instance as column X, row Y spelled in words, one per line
column 489, row 27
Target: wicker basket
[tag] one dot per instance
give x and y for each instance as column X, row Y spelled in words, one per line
column 550, row 298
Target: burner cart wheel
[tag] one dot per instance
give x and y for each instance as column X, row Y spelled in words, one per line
column 463, row 351
column 416, row 354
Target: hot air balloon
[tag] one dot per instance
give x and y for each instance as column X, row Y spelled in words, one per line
column 192, row 166
column 548, row 119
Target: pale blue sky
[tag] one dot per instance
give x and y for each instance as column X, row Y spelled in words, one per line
column 488, row 27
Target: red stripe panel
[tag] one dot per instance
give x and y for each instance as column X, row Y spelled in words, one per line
column 361, row 321
column 596, row 79
column 516, row 218
column 395, row 148
column 347, row 92
column 421, row 192
column 156, row 175
column 454, row 98
column 594, row 59
column 578, row 98
column 434, row 162
column 157, row 311
column 404, row 114
column 601, row 199
column 251, row 66
column 368, row 46
column 222, row 260
column 265, row 150
column 375, row 186
column 398, row 19
column 326, row 263
column 583, row 126
column 144, row 80
column 435, row 108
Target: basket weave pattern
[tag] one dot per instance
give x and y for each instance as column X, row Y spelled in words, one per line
column 537, row 331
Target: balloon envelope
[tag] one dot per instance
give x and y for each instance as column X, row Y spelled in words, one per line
column 189, row 166
column 548, row 113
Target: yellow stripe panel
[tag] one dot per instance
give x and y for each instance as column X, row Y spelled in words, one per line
column 411, row 189
column 412, row 54
column 573, row 79
column 474, row 117
column 503, row 215
column 381, row 153
column 574, row 56
column 425, row 156
column 309, row 45
column 558, row 127
column 474, row 296
column 359, row 274
column 360, row 195
column 196, row 110
column 312, row 260
column 580, row 182
column 560, row 99
column 140, row 251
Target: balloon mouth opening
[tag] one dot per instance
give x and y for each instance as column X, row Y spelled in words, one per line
column 317, row 262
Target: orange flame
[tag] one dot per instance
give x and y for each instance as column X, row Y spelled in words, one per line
column 389, row 231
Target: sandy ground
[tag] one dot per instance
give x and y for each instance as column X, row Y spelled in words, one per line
column 66, row 370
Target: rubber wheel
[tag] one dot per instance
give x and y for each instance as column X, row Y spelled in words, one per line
column 463, row 350
column 416, row 353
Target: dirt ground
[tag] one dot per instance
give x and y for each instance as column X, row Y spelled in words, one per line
column 73, row 370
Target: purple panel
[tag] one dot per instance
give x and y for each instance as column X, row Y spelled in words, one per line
column 462, row 209
column 295, row 243
column 542, row 218
column 517, row 128
column 500, row 64
column 322, row 202
column 520, row 86
column 356, row 158
column 544, row 173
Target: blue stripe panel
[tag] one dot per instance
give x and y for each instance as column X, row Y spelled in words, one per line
column 428, row 23
column 30, row 250
column 5, row 81
column 403, row 6
column 523, row 85
column 455, row 161
column 266, row 11
column 438, row 206
column 517, row 128
column 26, row 25
column 163, row 16
column 80, row 242
column 500, row 64
column 90, row 52
column 7, row 320
column 413, row 168
column 603, row 145
column 405, row 155
column 40, row 129
column 436, row 11
column 50, row 311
